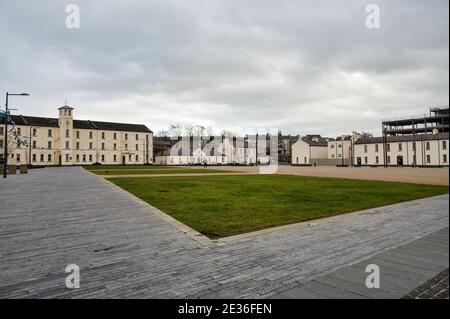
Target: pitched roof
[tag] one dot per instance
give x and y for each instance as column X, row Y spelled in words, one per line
column 403, row 138
column 34, row 121
column 79, row 124
column 315, row 140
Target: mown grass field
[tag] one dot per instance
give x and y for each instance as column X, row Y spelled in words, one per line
column 148, row 170
column 219, row 206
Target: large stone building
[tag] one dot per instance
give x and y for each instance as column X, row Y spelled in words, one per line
column 66, row 141
column 408, row 141
column 405, row 150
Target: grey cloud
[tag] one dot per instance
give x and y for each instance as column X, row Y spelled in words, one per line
column 302, row 66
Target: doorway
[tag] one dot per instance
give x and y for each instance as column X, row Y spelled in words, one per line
column 399, row 160
column 358, row 161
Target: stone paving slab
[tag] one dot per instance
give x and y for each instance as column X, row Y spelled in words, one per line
column 436, row 288
column 58, row 216
column 397, row 277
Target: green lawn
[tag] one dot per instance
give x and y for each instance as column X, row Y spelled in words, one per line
column 220, row 206
column 119, row 167
column 177, row 170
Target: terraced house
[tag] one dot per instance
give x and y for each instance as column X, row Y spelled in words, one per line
column 66, row 141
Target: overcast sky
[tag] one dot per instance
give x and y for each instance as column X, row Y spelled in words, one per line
column 300, row 66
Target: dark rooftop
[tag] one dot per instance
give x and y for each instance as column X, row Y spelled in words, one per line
column 80, row 124
column 403, row 138
column 315, row 140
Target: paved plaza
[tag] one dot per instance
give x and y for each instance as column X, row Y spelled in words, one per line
column 53, row 217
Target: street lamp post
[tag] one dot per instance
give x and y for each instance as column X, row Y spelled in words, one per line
column 5, row 153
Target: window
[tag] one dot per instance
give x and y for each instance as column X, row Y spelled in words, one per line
column 49, row 133
column 84, row 157
column 49, row 157
column 90, row 145
column 129, row 157
column 90, row 134
column 389, row 159
column 49, row 146
column 137, row 137
column 126, row 146
column 332, row 155
column 365, row 160
column 78, row 134
column 42, row 157
column 376, row 148
column 332, row 146
column 444, row 158
column 18, row 157
column 90, row 157
column 427, row 146
column 388, row 147
column 115, row 146
column 115, row 158
column 67, row 158
column 67, row 145
column 34, row 157
column 67, row 133
column 377, row 160
column 2, row 130
column 428, row 158
column 137, row 147
column 115, row 136
column 340, row 145
column 1, row 144
column 400, row 147
column 444, row 145
column 103, row 146
column 137, row 158
column 77, row 145
column 34, row 132
column 34, row 144
column 78, row 157
column 103, row 135
column 365, row 148
column 103, row 157
column 126, row 136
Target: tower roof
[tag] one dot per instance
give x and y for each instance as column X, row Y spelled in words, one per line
column 65, row 106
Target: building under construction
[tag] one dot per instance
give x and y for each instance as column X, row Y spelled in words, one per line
column 415, row 128
column 434, row 122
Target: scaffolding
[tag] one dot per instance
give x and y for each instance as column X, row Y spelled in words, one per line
column 437, row 121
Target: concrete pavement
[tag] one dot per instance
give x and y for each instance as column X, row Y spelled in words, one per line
column 58, row 216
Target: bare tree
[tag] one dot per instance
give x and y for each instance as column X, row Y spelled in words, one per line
column 175, row 129
column 162, row 133
column 198, row 130
column 188, row 130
